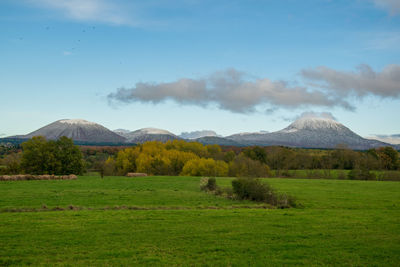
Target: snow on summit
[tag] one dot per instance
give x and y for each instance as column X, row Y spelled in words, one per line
column 77, row 121
column 315, row 121
column 155, row 131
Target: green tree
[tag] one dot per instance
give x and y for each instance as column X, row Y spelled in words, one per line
column 69, row 157
column 243, row 166
column 40, row 156
column 12, row 163
column 256, row 153
column 389, row 157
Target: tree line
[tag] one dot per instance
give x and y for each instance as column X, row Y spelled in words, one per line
column 178, row 157
column 40, row 156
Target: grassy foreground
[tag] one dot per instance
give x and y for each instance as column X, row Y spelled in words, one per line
column 342, row 223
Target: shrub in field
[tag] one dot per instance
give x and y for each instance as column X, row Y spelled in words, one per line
column 225, row 192
column 255, row 190
column 210, row 184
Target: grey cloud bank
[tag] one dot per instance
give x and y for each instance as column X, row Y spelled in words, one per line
column 229, row 90
column 365, row 81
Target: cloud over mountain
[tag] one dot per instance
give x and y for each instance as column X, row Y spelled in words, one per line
column 229, row 90
column 232, row 90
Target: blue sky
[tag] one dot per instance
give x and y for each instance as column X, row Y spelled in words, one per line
column 185, row 65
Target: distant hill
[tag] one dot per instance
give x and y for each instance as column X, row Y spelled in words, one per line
column 198, row 134
column 149, row 134
column 77, row 129
column 309, row 132
column 305, row 132
column 214, row 140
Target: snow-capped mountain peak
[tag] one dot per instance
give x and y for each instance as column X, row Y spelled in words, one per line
column 197, row 134
column 314, row 123
column 78, row 130
column 150, row 134
column 155, row 131
column 77, row 121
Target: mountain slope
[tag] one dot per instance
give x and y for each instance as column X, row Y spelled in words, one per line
column 215, row 140
column 149, row 134
column 197, row 134
column 78, row 130
column 310, row 132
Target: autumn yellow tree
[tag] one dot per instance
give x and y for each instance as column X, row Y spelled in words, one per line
column 205, row 167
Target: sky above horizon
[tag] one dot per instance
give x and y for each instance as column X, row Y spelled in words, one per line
column 186, row 65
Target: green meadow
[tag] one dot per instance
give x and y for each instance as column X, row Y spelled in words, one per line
column 168, row 221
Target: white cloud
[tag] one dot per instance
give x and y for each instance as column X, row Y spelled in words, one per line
column 229, row 90
column 87, row 10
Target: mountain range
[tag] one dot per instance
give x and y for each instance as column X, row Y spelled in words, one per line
column 305, row 132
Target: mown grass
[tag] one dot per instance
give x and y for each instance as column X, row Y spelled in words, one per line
column 342, row 223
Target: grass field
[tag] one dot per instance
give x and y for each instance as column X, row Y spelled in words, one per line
column 334, row 174
column 169, row 221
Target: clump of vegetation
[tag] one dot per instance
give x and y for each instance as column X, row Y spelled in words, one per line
column 208, row 184
column 249, row 189
column 254, row 190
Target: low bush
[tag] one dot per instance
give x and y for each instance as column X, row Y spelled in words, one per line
column 254, row 190
column 208, row 184
column 249, row 189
